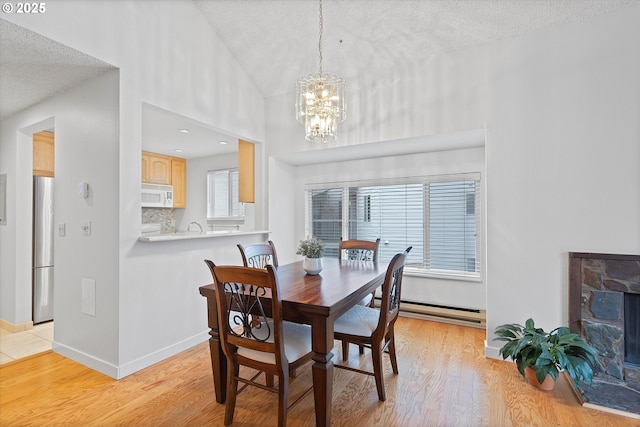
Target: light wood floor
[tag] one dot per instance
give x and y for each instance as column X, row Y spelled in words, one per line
column 444, row 380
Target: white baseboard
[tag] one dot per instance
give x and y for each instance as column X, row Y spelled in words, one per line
column 119, row 372
column 153, row 358
column 85, row 359
column 492, row 352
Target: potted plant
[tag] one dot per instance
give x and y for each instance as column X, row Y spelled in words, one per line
column 539, row 354
column 312, row 250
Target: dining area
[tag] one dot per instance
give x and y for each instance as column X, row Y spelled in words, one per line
column 275, row 318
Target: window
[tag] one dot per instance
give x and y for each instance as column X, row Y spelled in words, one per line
column 326, row 217
column 438, row 216
column 222, row 195
column 452, row 226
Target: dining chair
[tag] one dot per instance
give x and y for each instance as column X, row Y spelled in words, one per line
column 253, row 334
column 373, row 328
column 362, row 250
column 259, row 255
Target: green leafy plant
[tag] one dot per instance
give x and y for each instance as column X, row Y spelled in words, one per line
column 547, row 352
column 311, row 248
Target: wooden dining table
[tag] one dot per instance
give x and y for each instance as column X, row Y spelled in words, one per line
column 316, row 300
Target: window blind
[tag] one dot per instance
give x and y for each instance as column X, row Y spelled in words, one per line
column 393, row 213
column 452, row 225
column 325, row 208
column 437, row 215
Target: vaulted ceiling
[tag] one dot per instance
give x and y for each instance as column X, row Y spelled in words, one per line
column 276, row 41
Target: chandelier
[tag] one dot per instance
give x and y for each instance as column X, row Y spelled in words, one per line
column 320, row 101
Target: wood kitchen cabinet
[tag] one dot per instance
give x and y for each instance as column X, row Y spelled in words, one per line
column 167, row 170
column 179, row 182
column 246, row 168
column 43, row 154
column 156, row 168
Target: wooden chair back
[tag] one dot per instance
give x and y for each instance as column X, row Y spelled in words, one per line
column 249, row 310
column 363, row 250
column 391, row 290
column 259, row 255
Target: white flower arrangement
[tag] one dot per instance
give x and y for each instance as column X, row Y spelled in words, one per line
column 311, row 248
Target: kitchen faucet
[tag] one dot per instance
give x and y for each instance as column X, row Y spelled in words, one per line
column 194, row 222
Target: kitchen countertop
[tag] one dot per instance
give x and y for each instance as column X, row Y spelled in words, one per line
column 188, row 235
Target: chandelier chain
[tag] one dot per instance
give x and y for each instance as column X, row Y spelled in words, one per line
column 320, row 38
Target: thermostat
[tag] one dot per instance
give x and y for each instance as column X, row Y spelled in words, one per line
column 83, row 190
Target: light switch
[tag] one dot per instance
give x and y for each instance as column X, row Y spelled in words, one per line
column 86, row 228
column 62, row 230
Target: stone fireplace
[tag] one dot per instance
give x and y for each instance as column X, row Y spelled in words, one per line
column 604, row 308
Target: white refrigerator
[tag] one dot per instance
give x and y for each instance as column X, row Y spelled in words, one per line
column 42, row 249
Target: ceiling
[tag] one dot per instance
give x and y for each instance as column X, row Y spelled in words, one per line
column 276, row 42
column 34, row 68
column 164, row 132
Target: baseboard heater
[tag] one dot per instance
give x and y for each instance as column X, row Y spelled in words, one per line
column 439, row 313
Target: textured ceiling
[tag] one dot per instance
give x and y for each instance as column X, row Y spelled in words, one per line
column 33, row 68
column 276, row 41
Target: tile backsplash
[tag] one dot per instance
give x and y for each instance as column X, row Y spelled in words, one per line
column 164, row 216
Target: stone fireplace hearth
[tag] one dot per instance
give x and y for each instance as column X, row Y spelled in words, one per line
column 600, row 287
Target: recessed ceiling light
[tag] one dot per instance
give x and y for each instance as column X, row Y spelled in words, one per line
column 178, row 150
column 184, row 130
column 223, row 142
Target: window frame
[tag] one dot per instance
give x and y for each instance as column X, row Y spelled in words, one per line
column 476, row 276
column 231, row 203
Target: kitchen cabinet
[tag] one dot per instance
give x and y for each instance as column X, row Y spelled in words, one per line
column 167, row 170
column 156, row 168
column 246, row 168
column 179, row 182
column 43, row 154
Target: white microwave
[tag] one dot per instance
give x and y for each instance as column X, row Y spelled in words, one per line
column 157, row 196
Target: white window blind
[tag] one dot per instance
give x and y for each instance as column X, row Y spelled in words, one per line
column 452, row 224
column 393, row 213
column 438, row 216
column 325, row 210
column 222, row 195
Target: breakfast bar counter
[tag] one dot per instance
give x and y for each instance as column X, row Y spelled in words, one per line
column 188, row 235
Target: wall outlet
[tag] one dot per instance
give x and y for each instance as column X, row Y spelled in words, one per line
column 62, row 230
column 89, row 296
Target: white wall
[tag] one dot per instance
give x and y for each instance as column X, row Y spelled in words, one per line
column 561, row 109
column 85, row 120
column 283, row 210
column 168, row 56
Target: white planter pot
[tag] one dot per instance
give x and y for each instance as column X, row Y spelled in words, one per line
column 312, row 266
